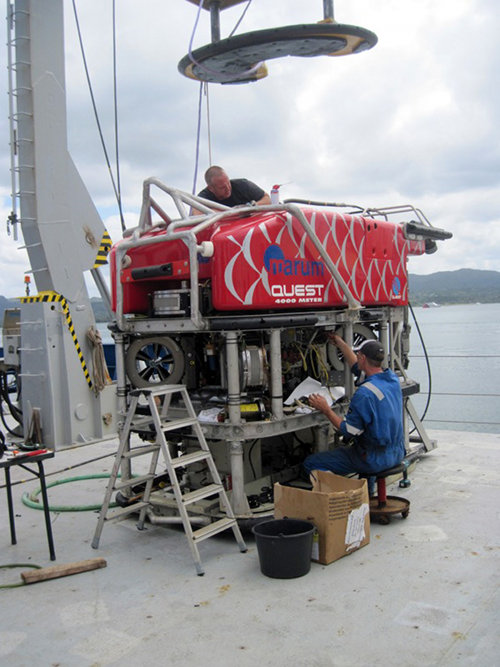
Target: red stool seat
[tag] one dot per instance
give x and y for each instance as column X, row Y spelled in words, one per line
column 382, row 506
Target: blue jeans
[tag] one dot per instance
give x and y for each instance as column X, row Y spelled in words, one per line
column 342, row 461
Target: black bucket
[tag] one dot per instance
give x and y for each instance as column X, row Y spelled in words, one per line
column 284, row 547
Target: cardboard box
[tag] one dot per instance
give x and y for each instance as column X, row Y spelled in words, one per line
column 339, row 508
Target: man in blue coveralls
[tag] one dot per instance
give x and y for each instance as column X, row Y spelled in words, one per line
column 374, row 418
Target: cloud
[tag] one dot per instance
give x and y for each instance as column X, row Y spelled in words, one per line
column 13, row 260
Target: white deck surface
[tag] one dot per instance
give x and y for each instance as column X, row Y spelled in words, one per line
column 423, row 592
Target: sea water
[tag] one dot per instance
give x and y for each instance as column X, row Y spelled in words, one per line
column 463, row 347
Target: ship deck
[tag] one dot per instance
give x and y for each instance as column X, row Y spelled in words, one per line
column 423, row 592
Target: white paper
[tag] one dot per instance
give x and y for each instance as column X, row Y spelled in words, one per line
column 315, row 545
column 310, row 386
column 209, row 415
column 355, row 530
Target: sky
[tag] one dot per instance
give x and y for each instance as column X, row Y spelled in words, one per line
column 412, row 121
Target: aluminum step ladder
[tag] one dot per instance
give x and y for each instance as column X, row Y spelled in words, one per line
column 157, row 424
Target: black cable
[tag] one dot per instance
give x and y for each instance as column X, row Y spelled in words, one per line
column 429, row 374
column 250, row 457
column 4, row 392
column 103, row 144
column 115, row 100
column 303, row 443
column 15, row 412
column 58, row 472
column 7, row 428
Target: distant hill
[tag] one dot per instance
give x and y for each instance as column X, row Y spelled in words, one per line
column 443, row 287
column 462, row 286
column 7, row 303
column 100, row 311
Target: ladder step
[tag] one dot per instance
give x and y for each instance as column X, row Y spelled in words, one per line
column 204, row 492
column 178, row 423
column 164, row 390
column 192, row 457
column 123, row 511
column 139, row 424
column 170, row 425
column 213, row 529
column 132, row 482
column 140, row 451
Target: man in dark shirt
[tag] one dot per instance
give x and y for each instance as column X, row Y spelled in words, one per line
column 231, row 192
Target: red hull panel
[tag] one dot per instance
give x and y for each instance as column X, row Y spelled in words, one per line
column 267, row 261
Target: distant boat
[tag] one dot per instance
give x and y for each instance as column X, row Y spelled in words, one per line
column 431, row 304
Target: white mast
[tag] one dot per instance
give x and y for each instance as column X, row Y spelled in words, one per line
column 63, row 234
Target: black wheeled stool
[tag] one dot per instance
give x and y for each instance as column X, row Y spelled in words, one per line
column 382, row 506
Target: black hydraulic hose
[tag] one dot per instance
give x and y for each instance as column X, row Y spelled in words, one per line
column 4, row 388
column 429, row 374
column 15, row 412
column 250, row 457
column 2, row 417
column 4, row 392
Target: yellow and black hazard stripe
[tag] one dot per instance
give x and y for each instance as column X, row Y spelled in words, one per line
column 54, row 297
column 102, row 253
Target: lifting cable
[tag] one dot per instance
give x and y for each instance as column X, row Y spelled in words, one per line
column 230, row 77
column 209, row 135
column 204, row 90
column 240, row 19
column 115, row 111
column 198, row 130
column 116, row 187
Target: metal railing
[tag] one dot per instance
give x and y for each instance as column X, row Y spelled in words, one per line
column 187, row 228
column 461, row 394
